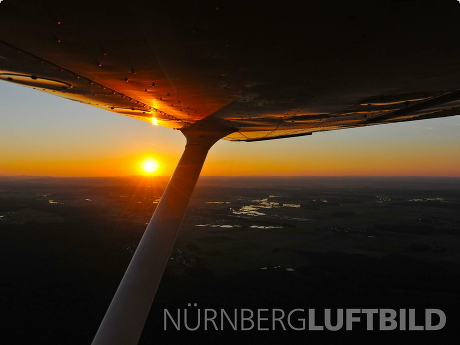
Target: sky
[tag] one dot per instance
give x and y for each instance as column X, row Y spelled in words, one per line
column 44, row 135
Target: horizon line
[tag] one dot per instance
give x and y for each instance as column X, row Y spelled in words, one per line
column 236, row 176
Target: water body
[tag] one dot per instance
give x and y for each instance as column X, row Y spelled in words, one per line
column 219, row 225
column 256, row 210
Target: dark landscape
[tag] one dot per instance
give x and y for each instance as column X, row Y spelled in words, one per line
column 246, row 242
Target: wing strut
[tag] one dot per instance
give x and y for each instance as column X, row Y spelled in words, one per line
column 125, row 318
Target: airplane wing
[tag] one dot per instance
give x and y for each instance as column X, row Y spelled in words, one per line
column 270, row 70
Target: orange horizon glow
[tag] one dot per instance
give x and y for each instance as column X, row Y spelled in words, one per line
column 244, row 165
column 243, row 159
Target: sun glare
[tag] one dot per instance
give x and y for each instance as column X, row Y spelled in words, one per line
column 149, row 166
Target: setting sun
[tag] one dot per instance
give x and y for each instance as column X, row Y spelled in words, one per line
column 149, row 165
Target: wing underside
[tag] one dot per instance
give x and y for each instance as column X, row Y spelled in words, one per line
column 268, row 72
